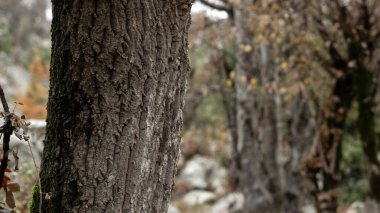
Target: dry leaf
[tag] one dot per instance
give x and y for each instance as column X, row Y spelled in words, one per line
column 48, row 196
column 26, row 137
column 18, row 135
column 13, row 187
column 10, row 200
column 5, row 181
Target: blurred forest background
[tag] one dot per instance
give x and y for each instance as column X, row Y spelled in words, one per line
column 282, row 108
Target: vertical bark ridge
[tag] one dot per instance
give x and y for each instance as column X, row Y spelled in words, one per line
column 118, row 80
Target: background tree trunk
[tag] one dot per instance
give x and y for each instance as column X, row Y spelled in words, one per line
column 270, row 151
column 118, row 75
column 367, row 127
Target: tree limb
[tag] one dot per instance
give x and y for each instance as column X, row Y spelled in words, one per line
column 7, row 129
column 213, row 5
column 227, row 7
column 3, row 100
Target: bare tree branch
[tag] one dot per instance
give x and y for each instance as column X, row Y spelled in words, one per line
column 213, row 5
column 7, row 129
column 3, row 100
column 227, row 7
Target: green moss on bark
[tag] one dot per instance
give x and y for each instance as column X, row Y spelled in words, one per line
column 36, row 198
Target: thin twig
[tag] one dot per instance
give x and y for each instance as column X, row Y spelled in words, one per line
column 5, row 115
column 13, row 110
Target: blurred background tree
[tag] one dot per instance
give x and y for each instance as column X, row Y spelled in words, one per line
column 282, row 102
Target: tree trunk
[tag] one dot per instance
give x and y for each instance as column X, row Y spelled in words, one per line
column 366, row 124
column 325, row 161
column 228, row 94
column 118, row 76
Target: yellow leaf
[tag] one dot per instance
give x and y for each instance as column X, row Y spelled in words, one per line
column 229, row 83
column 284, row 65
column 264, row 21
column 253, row 82
column 260, row 37
column 243, row 79
column 352, row 64
column 232, row 75
column 247, row 48
column 275, row 6
column 283, row 90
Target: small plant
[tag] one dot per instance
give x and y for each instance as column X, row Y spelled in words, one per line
column 17, row 125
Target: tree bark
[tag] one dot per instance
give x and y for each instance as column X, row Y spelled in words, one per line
column 118, row 76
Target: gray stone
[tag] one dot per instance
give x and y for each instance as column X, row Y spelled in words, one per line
column 371, row 206
column 202, row 173
column 309, row 209
column 198, row 197
column 18, row 77
column 173, row 209
column 356, row 207
column 229, row 204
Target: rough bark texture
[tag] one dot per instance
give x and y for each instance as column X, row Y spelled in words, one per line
column 118, row 80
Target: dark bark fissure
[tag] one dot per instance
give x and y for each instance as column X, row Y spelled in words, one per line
column 117, row 84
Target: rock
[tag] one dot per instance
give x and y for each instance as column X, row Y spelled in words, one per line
column 173, row 209
column 218, row 179
column 194, row 172
column 229, row 204
column 197, row 197
column 37, row 132
column 203, row 173
column 18, row 77
column 310, row 208
column 370, row 206
column 356, row 207
column 189, row 147
column 6, row 211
